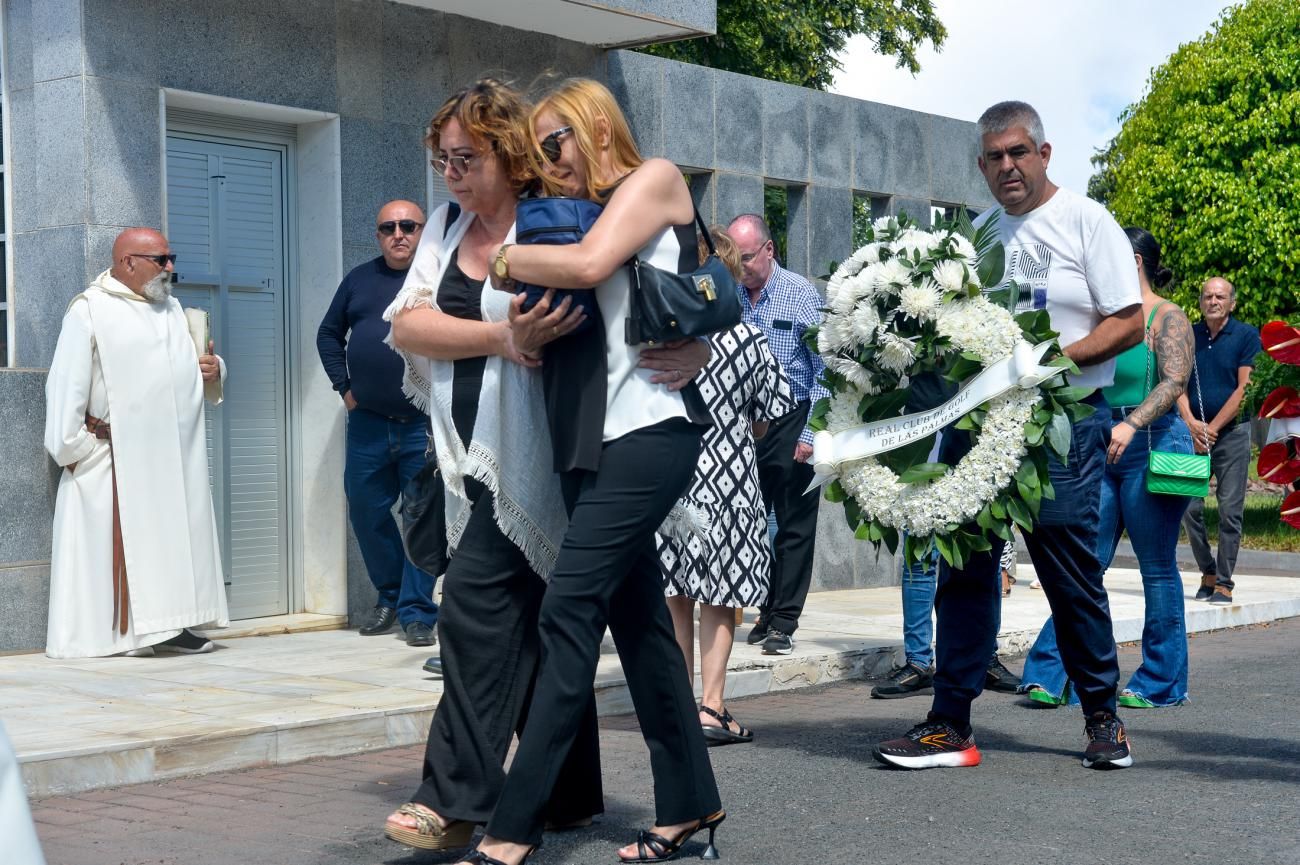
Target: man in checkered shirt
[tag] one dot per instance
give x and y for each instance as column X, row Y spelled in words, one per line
column 783, row 305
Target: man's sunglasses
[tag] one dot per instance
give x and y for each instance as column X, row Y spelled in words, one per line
column 408, row 226
column 550, row 145
column 160, row 260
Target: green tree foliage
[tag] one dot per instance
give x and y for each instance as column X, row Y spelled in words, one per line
column 1209, row 161
column 797, row 41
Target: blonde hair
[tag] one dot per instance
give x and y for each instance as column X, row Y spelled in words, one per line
column 495, row 116
column 581, row 103
column 726, row 248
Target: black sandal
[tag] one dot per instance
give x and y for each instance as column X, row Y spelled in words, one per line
column 478, row 857
column 724, row 735
column 664, row 849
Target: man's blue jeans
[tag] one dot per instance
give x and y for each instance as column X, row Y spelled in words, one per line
column 1063, row 547
column 1152, row 522
column 383, row 454
column 919, row 582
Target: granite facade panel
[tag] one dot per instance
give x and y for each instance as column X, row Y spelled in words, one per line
column 954, row 174
column 738, row 123
column 359, row 58
column 917, row 208
column 55, row 260
column 123, row 38
column 785, row 133
column 56, row 39
column 24, row 607
column 688, row 113
column 637, row 82
column 249, row 49
column 30, row 478
column 798, row 211
column 830, row 140
column 891, row 152
column 416, row 69
column 735, row 194
column 830, row 228
column 124, row 153
column 369, row 182
column 18, row 45
column 687, row 13
column 55, row 151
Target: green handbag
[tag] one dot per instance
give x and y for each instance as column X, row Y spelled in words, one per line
column 1176, row 474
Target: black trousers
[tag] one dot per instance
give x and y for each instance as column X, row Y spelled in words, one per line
column 608, row 573
column 487, row 628
column 783, row 482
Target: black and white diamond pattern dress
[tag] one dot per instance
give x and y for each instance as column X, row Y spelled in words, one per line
column 742, row 383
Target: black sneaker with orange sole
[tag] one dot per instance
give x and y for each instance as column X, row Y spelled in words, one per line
column 934, row 743
column 1108, row 746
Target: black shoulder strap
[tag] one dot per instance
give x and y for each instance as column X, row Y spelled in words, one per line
column 453, row 214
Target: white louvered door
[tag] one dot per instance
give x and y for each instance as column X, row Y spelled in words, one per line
column 225, row 215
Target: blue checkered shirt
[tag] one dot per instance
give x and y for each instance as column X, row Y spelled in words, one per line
column 787, row 306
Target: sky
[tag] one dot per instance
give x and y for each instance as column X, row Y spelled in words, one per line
column 1079, row 62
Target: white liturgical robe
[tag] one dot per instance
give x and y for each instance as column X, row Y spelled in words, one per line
column 133, row 365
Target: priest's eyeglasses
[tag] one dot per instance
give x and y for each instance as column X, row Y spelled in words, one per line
column 408, row 226
column 160, row 260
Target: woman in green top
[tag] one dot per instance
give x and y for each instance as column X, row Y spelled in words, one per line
column 1148, row 381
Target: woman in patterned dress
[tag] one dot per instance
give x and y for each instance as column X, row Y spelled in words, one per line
column 744, row 388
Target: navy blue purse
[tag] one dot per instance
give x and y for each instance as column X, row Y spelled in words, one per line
column 556, row 221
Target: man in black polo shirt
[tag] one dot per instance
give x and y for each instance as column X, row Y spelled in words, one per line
column 386, row 439
column 1225, row 356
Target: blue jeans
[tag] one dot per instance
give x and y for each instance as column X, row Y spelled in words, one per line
column 383, row 454
column 1152, row 522
column 919, row 583
column 1063, row 547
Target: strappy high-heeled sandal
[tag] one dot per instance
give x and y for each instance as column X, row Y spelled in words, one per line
column 653, row 847
column 724, row 735
column 428, row 833
column 478, row 857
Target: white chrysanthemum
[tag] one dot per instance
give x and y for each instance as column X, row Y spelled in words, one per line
column 951, row 275
column 919, row 301
column 843, row 411
column 974, row 324
column 856, row 373
column 894, row 353
column 869, row 254
column 913, row 241
column 834, row 334
column 865, row 321
column 966, row 250
column 884, row 224
column 890, row 276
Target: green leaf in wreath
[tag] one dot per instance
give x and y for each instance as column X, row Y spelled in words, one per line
column 881, row 406
column 1034, row 322
column 899, row 459
column 890, row 536
column 1046, row 488
column 984, row 519
column 1003, row 530
column 999, row 510
column 863, row 532
column 1078, row 411
column 1027, row 473
column 943, row 542
column 923, row 473
column 1018, row 512
column 1062, row 361
column 1030, row 494
column 852, row 513
column 1058, row 436
column 991, row 256
column 835, row 492
column 1033, row 433
column 976, row 543
column 1071, row 393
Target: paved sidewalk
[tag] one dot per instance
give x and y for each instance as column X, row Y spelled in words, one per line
column 1214, row 783
column 275, row 700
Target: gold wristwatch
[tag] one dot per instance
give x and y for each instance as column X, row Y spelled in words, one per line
column 501, row 267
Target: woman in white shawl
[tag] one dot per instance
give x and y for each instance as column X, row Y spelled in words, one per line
column 505, row 517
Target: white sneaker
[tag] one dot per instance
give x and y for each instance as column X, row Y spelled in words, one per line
column 145, row 652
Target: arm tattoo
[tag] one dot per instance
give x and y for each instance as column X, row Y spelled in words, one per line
column 1175, row 351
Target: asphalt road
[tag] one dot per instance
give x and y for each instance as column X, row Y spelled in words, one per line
column 1215, row 781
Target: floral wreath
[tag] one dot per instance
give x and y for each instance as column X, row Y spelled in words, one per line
column 908, row 312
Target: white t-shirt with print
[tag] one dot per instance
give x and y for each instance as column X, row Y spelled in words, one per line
column 1070, row 257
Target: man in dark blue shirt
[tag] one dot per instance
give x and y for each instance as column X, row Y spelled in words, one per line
column 386, row 439
column 1225, row 356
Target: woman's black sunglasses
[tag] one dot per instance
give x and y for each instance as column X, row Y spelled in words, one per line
column 550, row 145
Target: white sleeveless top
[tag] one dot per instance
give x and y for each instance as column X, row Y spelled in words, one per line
column 631, row 401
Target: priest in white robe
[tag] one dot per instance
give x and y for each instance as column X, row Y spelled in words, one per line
column 135, row 562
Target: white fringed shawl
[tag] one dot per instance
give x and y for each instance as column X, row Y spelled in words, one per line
column 515, row 464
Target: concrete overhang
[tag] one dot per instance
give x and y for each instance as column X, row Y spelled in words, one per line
column 605, row 23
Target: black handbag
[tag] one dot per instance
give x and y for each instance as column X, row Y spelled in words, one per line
column 667, row 306
column 424, row 519
column 556, row 221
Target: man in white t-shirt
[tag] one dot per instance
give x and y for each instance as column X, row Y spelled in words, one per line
column 1067, row 255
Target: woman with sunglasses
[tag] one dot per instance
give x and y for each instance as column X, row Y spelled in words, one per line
column 632, row 456
column 504, row 513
